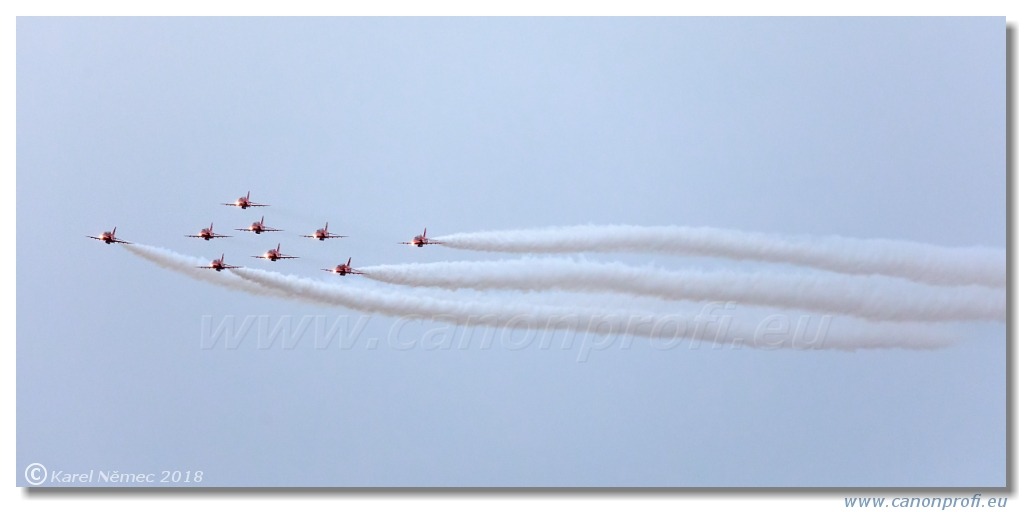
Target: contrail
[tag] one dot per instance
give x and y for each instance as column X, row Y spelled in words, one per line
column 606, row 322
column 187, row 265
column 910, row 260
column 870, row 297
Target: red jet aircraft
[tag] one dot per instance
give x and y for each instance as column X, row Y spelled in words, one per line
column 108, row 237
column 218, row 264
column 207, row 233
column 342, row 269
column 257, row 227
column 421, row 240
column 275, row 254
column 321, row 234
column 243, row 202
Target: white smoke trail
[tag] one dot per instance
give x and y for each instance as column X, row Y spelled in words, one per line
column 909, row 260
column 608, row 322
column 706, row 325
column 871, row 297
column 187, row 265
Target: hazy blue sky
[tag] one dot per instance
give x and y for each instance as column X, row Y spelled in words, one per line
column 864, row 127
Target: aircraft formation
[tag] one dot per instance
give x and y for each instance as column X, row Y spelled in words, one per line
column 274, row 254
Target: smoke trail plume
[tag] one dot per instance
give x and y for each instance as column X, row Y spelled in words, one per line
column 706, row 325
column 871, row 297
column 910, row 260
column 187, row 265
column 607, row 322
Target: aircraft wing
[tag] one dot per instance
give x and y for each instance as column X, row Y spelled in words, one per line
column 219, row 236
column 335, row 236
column 112, row 240
column 283, row 257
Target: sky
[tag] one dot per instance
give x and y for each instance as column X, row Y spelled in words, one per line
column 880, row 128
